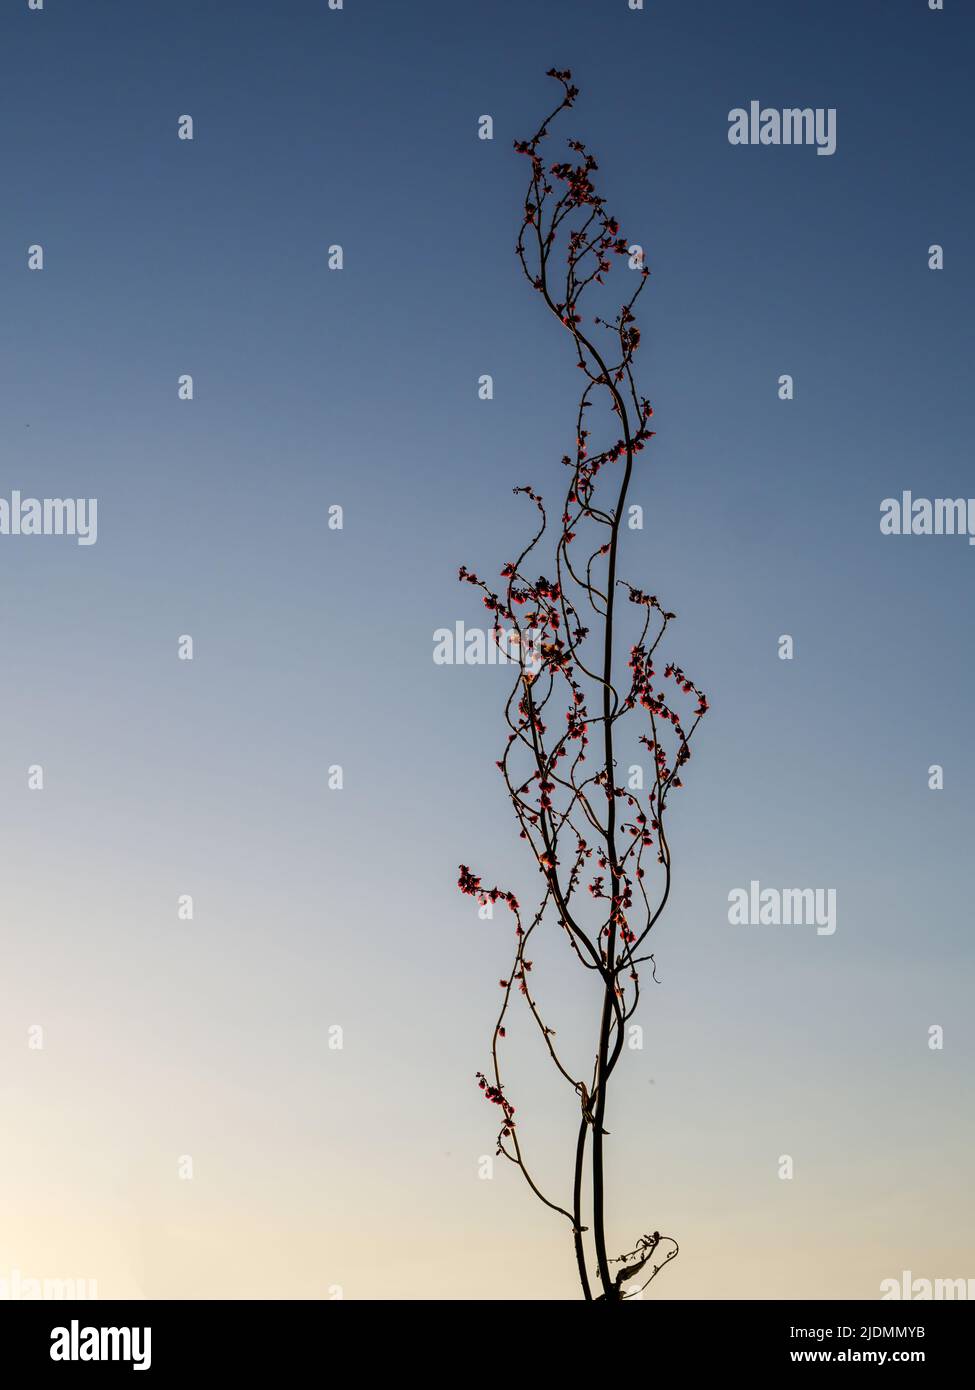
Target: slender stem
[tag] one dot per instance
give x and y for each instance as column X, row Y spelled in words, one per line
column 598, row 1177
column 577, row 1211
column 609, row 988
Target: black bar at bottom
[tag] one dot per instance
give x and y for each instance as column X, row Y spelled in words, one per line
column 171, row 1340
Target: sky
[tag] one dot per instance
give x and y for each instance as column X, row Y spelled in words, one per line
column 325, row 916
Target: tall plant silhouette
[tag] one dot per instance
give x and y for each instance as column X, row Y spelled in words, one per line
column 589, row 835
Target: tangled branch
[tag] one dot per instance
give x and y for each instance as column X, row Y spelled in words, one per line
column 600, row 847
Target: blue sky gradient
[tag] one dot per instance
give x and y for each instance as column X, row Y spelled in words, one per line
column 316, row 1168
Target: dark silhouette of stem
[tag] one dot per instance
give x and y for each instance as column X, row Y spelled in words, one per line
column 577, row 820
